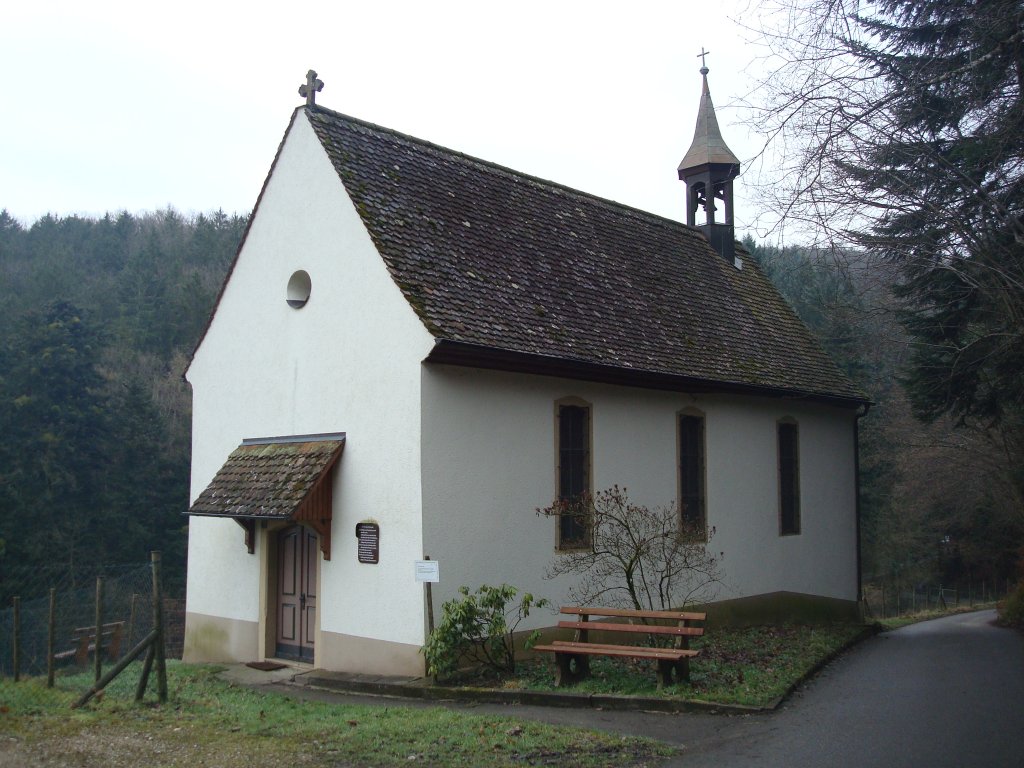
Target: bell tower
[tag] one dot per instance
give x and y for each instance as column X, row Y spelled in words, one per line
column 708, row 169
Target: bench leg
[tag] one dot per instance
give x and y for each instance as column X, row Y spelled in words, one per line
column 665, row 668
column 683, row 671
column 565, row 674
column 673, row 672
column 582, row 667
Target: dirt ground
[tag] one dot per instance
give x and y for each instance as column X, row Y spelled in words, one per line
column 123, row 748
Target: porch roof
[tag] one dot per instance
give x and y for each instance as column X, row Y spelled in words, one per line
column 276, row 478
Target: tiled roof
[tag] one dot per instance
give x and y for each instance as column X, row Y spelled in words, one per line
column 498, row 260
column 267, row 479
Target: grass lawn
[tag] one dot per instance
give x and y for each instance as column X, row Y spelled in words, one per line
column 895, row 622
column 211, row 722
column 750, row 666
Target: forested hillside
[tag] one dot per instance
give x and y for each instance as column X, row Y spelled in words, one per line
column 97, row 319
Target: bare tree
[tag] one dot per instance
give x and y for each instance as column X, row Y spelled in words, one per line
column 638, row 557
column 863, row 102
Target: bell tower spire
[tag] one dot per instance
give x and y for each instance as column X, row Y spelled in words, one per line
column 708, row 169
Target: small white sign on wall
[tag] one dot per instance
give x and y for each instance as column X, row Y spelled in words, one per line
column 428, row 571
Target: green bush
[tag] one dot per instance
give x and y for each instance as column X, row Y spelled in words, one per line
column 1011, row 610
column 479, row 628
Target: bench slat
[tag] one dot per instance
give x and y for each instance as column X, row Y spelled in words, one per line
column 646, row 629
column 85, row 642
column 574, row 644
column 90, row 631
column 624, row 612
column 628, row 651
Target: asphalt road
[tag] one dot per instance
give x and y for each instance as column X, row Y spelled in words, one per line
column 942, row 693
column 947, row 693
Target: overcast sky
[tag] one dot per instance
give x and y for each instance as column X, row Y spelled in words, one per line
column 111, row 105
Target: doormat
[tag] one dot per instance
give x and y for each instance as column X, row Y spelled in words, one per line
column 266, row 666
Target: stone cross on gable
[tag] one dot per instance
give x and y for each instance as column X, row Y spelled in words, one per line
column 311, row 87
column 703, row 64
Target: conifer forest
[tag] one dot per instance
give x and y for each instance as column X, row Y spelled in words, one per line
column 98, row 318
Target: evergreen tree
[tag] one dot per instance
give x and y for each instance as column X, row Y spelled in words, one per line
column 94, row 465
column 953, row 173
column 55, row 420
column 911, row 115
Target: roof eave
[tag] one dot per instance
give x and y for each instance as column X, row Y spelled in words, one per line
column 448, row 352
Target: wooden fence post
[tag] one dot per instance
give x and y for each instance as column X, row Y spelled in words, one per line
column 127, row 659
column 147, row 665
column 98, row 658
column 153, row 644
column 131, row 619
column 50, row 637
column 158, row 627
column 16, row 640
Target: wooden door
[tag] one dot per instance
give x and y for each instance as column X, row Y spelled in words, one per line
column 296, row 593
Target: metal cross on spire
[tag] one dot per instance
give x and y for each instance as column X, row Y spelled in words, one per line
column 703, row 64
column 311, row 88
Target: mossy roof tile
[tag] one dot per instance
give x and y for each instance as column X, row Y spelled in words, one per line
column 267, row 480
column 499, row 260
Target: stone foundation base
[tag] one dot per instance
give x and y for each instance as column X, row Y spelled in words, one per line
column 349, row 653
column 214, row 638
column 782, row 608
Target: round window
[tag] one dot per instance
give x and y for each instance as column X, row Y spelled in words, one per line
column 299, row 286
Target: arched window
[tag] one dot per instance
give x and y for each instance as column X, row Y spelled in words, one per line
column 572, row 437
column 789, row 477
column 692, row 472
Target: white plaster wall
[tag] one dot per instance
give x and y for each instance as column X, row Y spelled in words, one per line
column 744, row 506
column 346, row 362
column 489, row 462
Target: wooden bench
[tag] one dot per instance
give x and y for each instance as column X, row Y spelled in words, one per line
column 83, row 641
column 571, row 656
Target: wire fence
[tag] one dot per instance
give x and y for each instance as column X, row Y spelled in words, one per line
column 126, row 603
column 884, row 600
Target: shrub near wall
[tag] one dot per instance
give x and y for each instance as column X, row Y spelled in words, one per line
column 479, row 628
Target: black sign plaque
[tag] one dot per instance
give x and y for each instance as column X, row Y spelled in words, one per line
column 368, row 535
